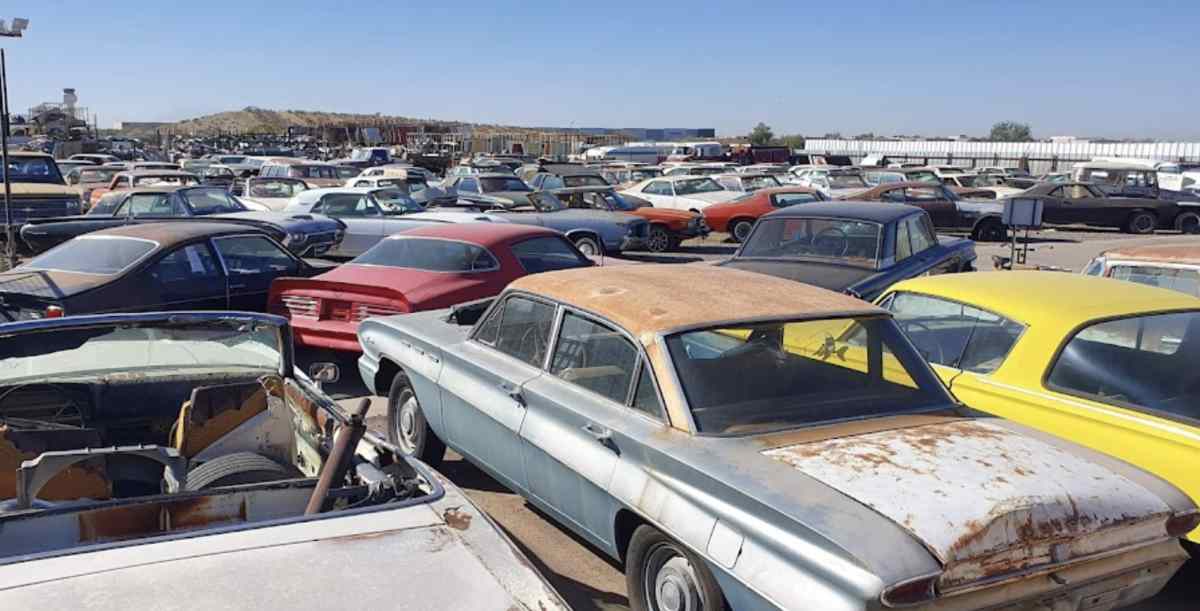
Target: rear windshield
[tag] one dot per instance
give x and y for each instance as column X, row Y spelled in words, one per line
column 429, row 254
column 697, row 185
column 584, row 180
column 846, row 181
column 165, row 181
column 276, row 188
column 763, row 377
column 93, row 255
column 211, row 201
column 104, row 175
column 491, row 185
column 33, row 169
column 1141, row 361
column 312, row 171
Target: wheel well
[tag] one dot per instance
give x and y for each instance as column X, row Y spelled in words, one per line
column 695, row 211
column 983, row 222
column 584, row 232
column 626, row 522
column 383, row 378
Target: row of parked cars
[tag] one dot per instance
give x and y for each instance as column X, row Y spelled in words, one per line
column 796, row 427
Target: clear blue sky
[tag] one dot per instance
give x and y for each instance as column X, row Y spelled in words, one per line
column 1098, row 68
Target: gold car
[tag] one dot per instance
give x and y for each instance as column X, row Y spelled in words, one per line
column 1107, row 364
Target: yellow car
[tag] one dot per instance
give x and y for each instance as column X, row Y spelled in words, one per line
column 1107, row 364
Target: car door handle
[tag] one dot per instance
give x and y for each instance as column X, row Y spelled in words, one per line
column 600, row 433
column 237, row 286
column 513, row 393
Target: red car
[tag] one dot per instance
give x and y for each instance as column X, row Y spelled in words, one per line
column 737, row 216
column 421, row 269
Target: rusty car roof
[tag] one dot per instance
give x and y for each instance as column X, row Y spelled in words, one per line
column 660, row 298
column 1158, row 253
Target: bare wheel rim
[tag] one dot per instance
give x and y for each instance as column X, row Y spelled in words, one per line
column 669, row 581
column 587, row 247
column 741, row 231
column 659, row 240
column 407, row 433
column 1143, row 223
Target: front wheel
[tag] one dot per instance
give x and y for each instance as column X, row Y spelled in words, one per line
column 588, row 246
column 991, row 231
column 1141, row 223
column 659, row 239
column 662, row 575
column 407, row 428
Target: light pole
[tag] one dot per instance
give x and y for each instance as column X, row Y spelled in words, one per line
column 14, row 31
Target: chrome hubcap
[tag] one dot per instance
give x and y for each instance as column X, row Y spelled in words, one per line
column 742, row 231
column 586, row 248
column 406, row 425
column 674, row 586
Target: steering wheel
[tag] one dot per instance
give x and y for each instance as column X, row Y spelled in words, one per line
column 533, row 342
column 832, row 242
column 941, row 354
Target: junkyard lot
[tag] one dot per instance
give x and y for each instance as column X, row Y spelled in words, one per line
column 585, row 578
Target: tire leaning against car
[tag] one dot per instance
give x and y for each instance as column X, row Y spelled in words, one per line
column 1141, row 222
column 659, row 570
column 407, row 428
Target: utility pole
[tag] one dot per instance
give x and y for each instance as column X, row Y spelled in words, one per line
column 10, row 238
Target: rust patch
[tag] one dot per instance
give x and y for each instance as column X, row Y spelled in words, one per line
column 158, row 517
column 456, row 518
column 851, row 429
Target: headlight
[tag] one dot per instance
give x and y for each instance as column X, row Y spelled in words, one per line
column 296, row 238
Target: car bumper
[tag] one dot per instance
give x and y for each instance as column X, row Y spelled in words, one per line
column 368, row 369
column 330, row 334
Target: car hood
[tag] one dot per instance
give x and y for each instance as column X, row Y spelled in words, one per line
column 982, row 498
column 825, row 275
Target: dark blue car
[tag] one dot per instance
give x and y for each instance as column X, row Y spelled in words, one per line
column 860, row 248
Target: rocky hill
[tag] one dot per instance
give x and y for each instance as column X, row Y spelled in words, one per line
column 252, row 119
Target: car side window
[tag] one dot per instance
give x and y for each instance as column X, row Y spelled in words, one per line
column 245, row 255
column 551, row 181
column 548, row 253
column 954, row 334
column 191, row 263
column 903, row 245
column 783, row 200
column 468, row 184
column 658, row 187
column 919, row 234
column 893, row 195
column 645, row 397
column 520, row 328
column 594, row 356
column 1176, row 279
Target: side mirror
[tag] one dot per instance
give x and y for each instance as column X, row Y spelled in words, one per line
column 324, row 373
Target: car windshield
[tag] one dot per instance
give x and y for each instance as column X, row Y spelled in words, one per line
column 753, row 183
column 493, row 184
column 213, row 172
column 276, row 188
column 345, row 171
column 312, row 171
column 544, row 201
column 429, row 254
column 97, row 175
column 846, row 181
column 33, row 169
column 847, row 241
column 1146, row 361
column 697, row 185
column 92, row 255
column 764, row 377
column 165, row 180
column 395, row 201
column 644, row 173
column 584, row 180
column 923, row 176
column 211, row 201
column 130, row 348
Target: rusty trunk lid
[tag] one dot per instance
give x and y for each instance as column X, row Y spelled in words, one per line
column 986, row 501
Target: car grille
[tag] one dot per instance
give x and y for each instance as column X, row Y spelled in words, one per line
column 299, row 306
column 24, row 209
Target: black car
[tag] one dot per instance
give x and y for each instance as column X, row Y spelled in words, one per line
column 303, row 234
column 1084, row 203
column 860, row 248
column 151, row 267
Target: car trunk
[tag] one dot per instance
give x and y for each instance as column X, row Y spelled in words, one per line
column 989, row 503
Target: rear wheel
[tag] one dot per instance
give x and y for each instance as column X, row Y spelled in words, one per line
column 740, row 230
column 1141, row 223
column 990, row 230
column 588, row 246
column 662, row 575
column 407, row 427
column 659, row 239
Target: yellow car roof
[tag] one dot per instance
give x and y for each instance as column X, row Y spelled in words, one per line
column 1035, row 297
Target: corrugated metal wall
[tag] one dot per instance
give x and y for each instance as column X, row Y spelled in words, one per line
column 1041, row 156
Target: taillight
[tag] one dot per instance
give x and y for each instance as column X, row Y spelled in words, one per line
column 1182, row 524
column 299, row 305
column 55, row 312
column 913, row 592
column 363, row 311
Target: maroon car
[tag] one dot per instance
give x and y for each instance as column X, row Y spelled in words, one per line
column 422, row 269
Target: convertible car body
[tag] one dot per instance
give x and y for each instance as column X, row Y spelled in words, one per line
column 1103, row 363
column 423, row 269
column 141, row 452
column 767, row 446
column 858, row 248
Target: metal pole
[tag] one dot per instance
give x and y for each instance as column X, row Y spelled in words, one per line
column 10, row 242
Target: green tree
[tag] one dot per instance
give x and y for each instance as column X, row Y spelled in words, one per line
column 794, row 141
column 761, row 134
column 1011, row 131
